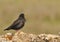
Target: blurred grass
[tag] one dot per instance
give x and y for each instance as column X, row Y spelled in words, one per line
column 42, row 16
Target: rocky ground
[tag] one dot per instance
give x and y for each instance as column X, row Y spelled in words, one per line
column 25, row 37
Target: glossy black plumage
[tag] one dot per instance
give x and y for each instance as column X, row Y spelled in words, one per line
column 17, row 24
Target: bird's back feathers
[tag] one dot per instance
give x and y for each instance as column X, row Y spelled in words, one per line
column 17, row 24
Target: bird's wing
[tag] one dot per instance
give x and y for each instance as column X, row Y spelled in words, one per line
column 15, row 23
column 12, row 25
column 20, row 24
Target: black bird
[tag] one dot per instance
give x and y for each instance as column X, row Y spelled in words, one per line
column 17, row 24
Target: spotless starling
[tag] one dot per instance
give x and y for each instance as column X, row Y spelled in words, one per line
column 18, row 23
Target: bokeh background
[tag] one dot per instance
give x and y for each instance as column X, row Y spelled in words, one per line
column 42, row 16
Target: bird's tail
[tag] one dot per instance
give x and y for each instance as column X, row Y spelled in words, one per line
column 6, row 29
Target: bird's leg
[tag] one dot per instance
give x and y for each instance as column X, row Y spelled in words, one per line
column 16, row 30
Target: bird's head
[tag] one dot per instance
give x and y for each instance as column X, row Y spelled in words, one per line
column 21, row 15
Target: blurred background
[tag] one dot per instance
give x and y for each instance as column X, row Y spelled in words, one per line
column 42, row 16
